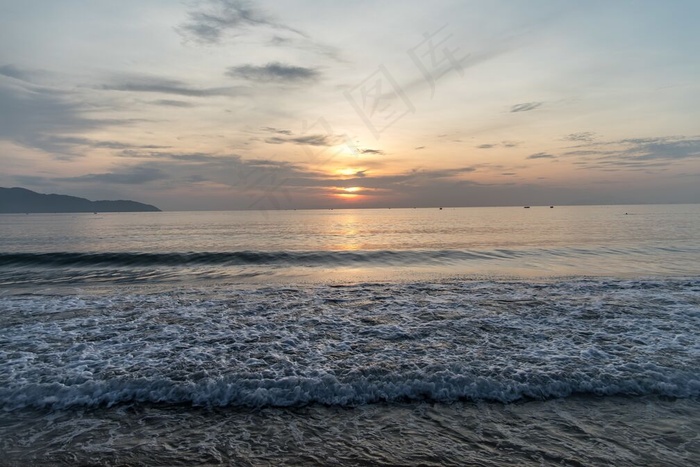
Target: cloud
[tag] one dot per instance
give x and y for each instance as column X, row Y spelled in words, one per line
column 372, row 151
column 152, row 84
column 541, row 155
column 204, row 166
column 588, row 152
column 308, row 45
column 260, row 182
column 505, row 144
column 418, row 148
column 310, row 140
column 267, row 183
column 445, row 173
column 584, row 136
column 39, row 117
column 127, row 176
column 636, row 153
column 210, row 23
column 234, row 171
column 525, row 107
column 31, row 180
column 643, row 149
column 398, row 182
column 81, row 141
column 673, row 148
column 12, row 71
column 274, row 72
column 197, row 157
column 278, row 131
column 173, row 103
column 280, row 41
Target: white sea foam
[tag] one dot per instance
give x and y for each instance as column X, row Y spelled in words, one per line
column 352, row 345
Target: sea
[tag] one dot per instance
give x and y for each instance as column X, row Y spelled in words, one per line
column 564, row 335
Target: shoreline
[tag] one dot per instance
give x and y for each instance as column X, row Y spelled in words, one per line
column 577, row 430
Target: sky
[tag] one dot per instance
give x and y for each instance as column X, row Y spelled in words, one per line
column 226, row 104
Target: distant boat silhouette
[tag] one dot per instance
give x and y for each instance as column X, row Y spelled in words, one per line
column 526, row 207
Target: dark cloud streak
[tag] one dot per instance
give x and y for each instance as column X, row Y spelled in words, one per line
column 173, row 103
column 210, row 24
column 636, row 152
column 274, row 72
column 129, row 176
column 541, row 155
column 311, row 140
column 80, row 141
column 278, row 131
column 526, row 107
column 12, row 71
column 584, row 136
column 151, row 84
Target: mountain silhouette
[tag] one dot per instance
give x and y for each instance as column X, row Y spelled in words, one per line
column 21, row 200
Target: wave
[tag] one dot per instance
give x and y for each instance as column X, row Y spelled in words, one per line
column 351, row 344
column 127, row 259
column 328, row 390
column 302, row 258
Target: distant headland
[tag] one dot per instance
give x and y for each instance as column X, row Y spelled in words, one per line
column 21, row 200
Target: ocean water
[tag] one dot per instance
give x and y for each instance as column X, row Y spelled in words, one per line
column 474, row 336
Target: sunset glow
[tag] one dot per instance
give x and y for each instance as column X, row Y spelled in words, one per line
column 312, row 232
column 275, row 107
column 347, row 172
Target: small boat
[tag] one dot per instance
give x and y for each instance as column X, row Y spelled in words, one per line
column 526, row 207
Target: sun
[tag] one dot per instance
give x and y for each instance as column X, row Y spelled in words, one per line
column 348, row 172
column 348, row 193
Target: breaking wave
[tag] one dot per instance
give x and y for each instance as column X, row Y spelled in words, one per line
column 355, row 344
